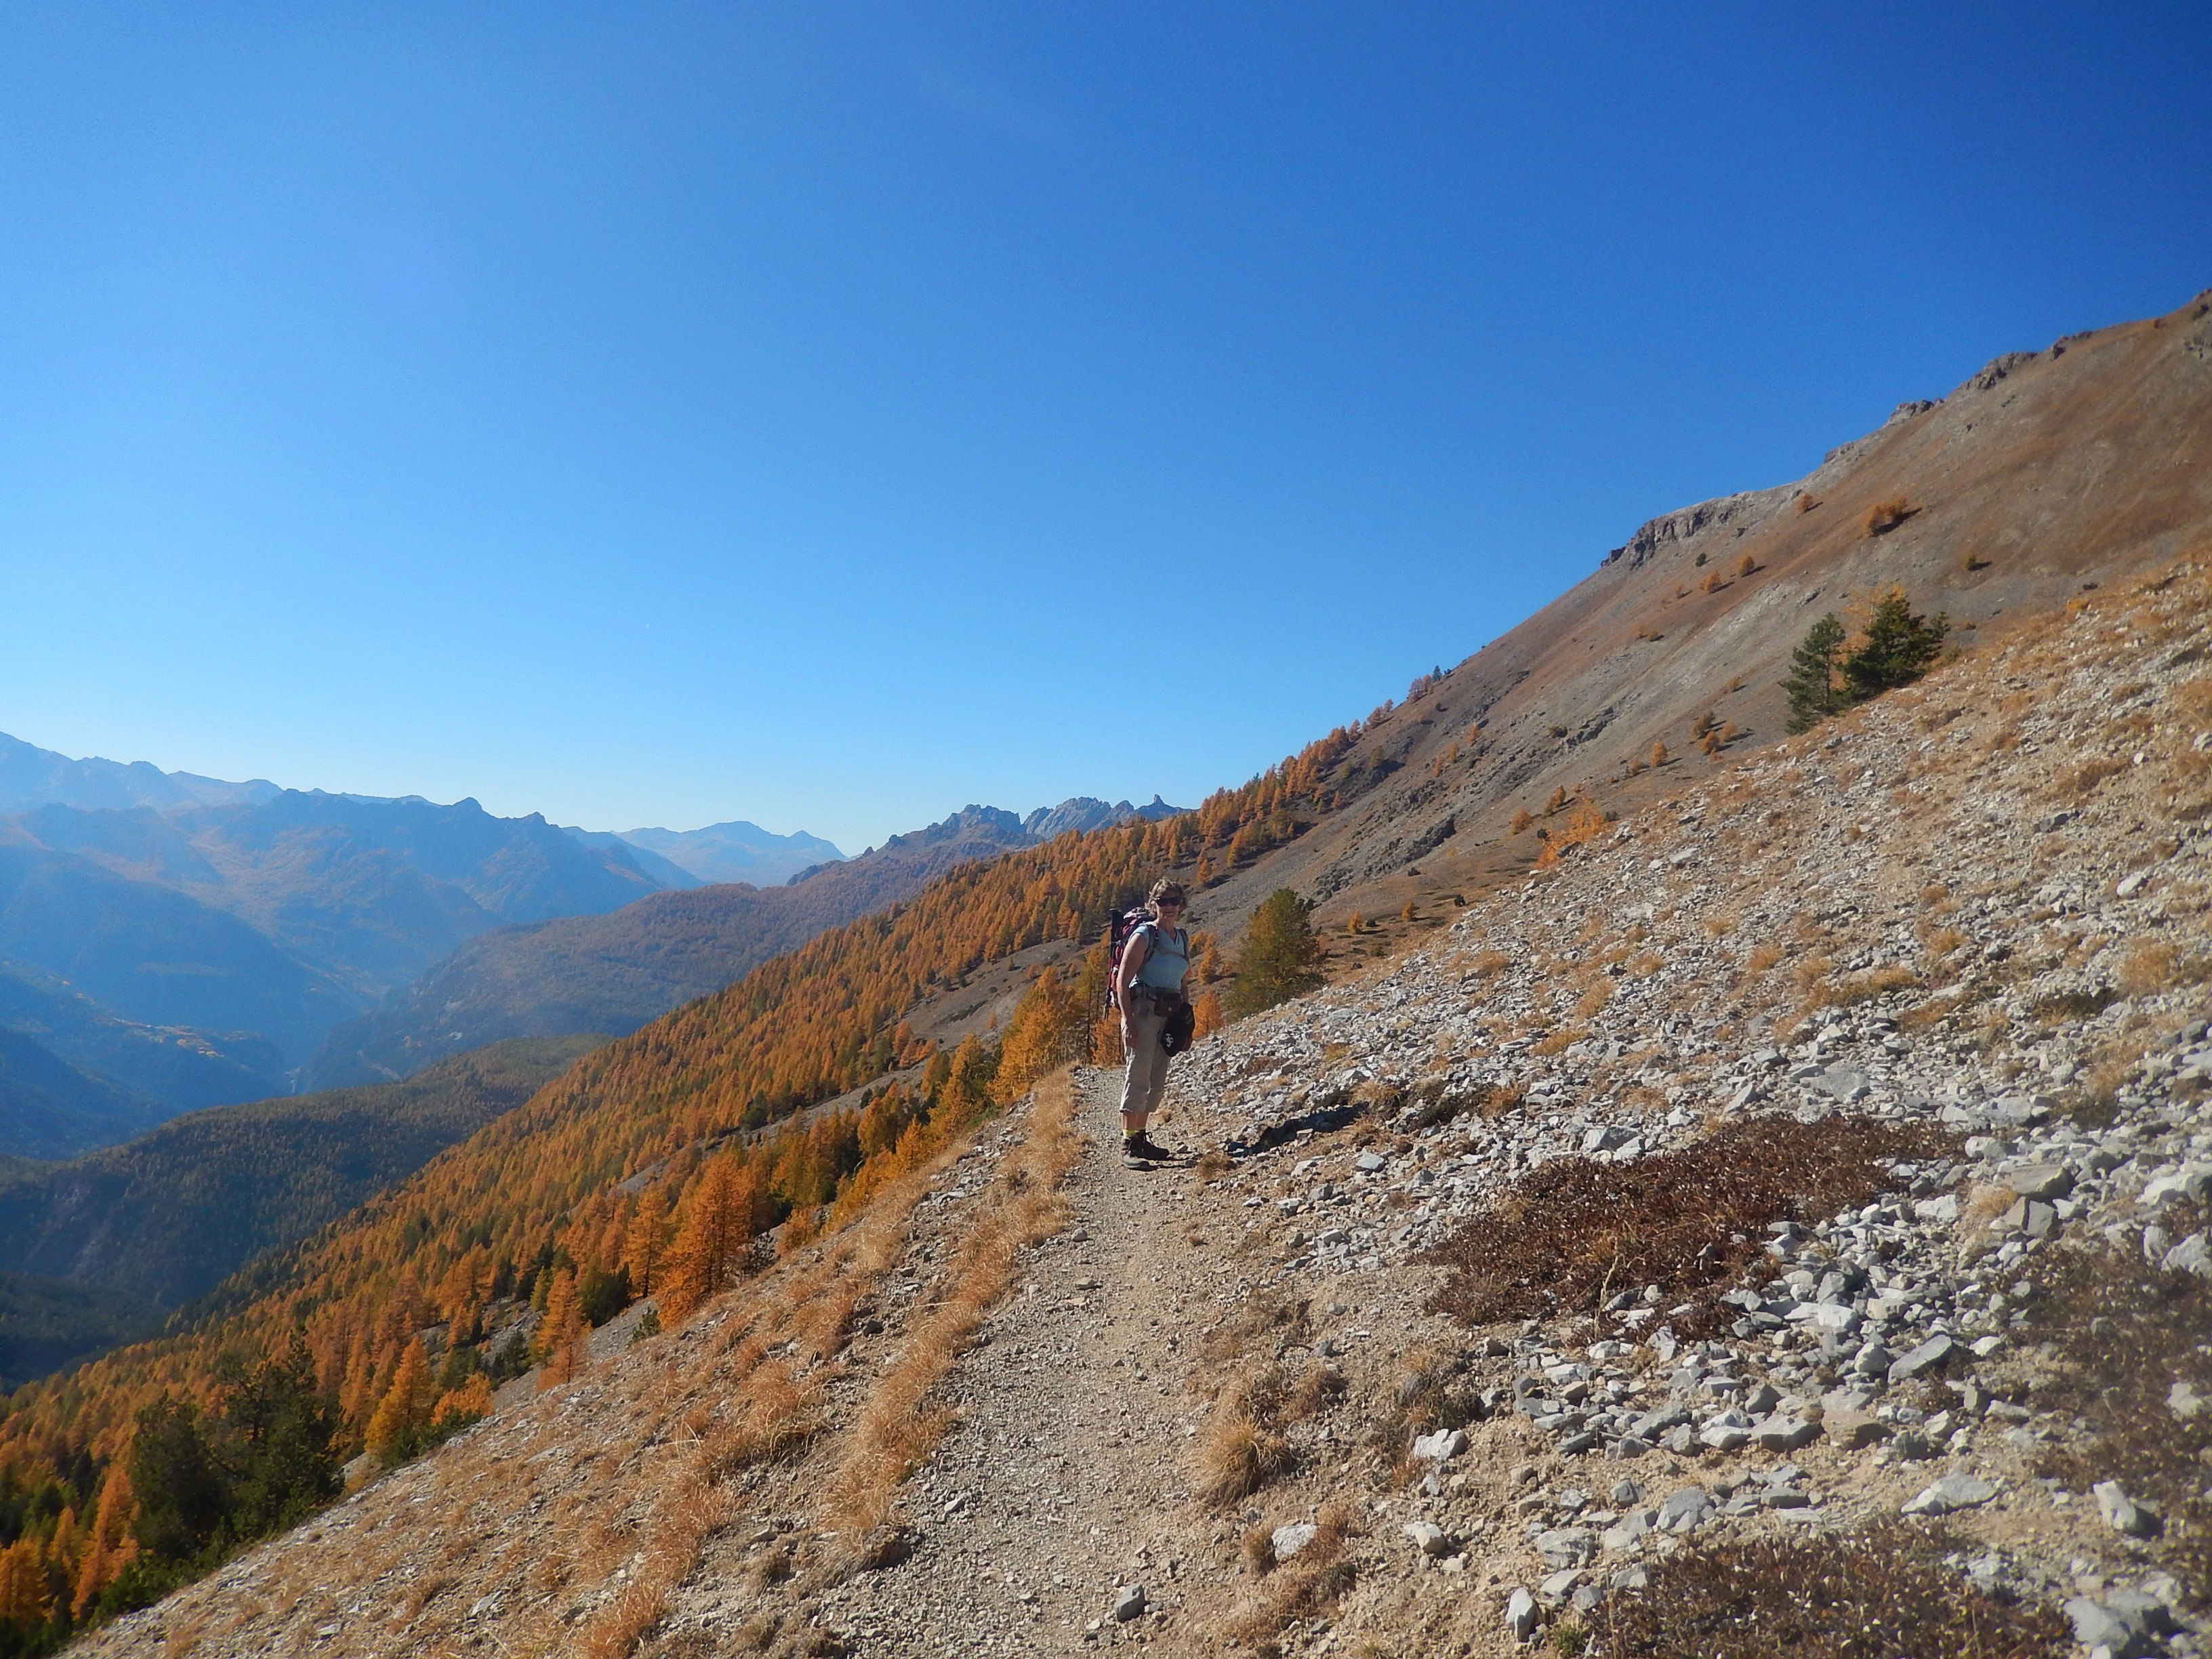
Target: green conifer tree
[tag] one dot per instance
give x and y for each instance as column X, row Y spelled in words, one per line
column 1281, row 958
column 1814, row 685
column 1899, row 648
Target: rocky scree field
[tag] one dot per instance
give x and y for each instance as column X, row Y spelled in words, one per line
column 1777, row 1225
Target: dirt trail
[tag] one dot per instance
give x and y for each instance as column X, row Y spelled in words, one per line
column 1067, row 1476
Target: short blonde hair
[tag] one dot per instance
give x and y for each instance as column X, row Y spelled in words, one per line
column 1162, row 890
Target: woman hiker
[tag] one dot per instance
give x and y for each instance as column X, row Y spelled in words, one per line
column 1154, row 964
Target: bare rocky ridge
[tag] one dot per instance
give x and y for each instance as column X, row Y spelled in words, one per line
column 1979, row 910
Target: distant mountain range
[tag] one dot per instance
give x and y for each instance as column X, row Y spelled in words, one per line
column 735, row 852
column 170, row 942
column 32, row 777
column 613, row 972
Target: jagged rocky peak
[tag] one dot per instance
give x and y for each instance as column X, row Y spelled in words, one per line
column 1087, row 812
column 1739, row 511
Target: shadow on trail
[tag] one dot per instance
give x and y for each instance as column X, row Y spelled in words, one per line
column 1322, row 1119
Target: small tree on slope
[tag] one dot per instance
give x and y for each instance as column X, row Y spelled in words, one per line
column 1899, row 648
column 1814, row 686
column 1281, row 958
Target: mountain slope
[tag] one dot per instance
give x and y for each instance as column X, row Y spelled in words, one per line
column 181, row 1069
column 2040, row 475
column 164, row 1218
column 156, row 955
column 277, row 917
column 50, row 1109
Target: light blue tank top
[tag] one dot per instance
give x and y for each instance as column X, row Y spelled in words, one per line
column 1167, row 957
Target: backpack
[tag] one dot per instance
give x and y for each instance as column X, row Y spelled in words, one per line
column 1117, row 941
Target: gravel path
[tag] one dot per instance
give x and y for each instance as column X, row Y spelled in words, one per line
column 1066, row 1478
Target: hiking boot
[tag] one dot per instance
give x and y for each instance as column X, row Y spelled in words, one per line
column 1145, row 1146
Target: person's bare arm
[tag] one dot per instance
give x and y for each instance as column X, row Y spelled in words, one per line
column 1133, row 964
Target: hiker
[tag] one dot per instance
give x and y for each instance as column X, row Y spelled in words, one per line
column 1149, row 978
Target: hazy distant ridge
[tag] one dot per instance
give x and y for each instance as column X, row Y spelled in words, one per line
column 31, row 776
column 737, row 851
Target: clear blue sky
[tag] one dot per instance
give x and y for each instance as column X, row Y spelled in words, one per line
column 830, row 413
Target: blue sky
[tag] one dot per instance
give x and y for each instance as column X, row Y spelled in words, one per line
column 830, row 415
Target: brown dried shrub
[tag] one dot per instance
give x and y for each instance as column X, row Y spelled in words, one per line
column 1762, row 957
column 2131, row 1336
column 2078, row 782
column 1885, row 516
column 1575, row 1230
column 1877, row 1595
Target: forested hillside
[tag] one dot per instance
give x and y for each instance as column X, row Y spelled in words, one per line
column 166, row 1216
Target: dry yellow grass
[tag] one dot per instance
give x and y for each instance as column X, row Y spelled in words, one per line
column 1307, row 1584
column 2110, row 1070
column 2150, row 969
column 1986, row 1202
column 1762, row 957
column 1942, row 941
column 1592, row 1001
column 1811, row 974
column 899, row 1426
column 1874, row 982
column 696, row 1511
column 1555, row 1043
column 1238, row 1455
